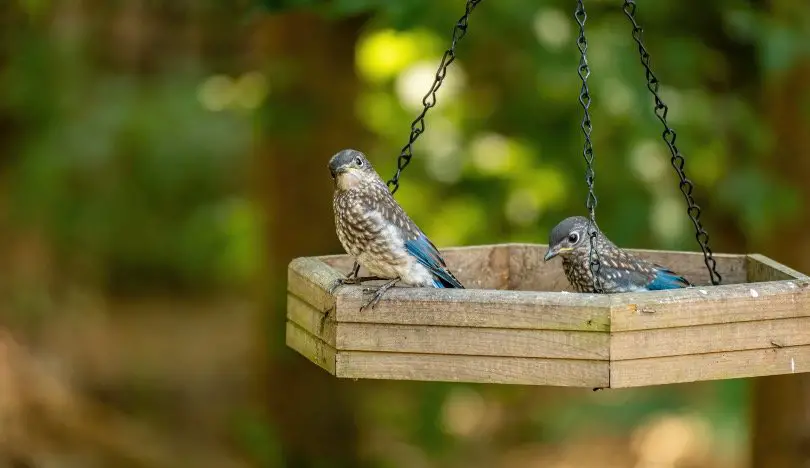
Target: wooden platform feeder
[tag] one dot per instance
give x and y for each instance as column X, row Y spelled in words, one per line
column 515, row 326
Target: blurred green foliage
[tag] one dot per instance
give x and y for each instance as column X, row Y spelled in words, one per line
column 142, row 174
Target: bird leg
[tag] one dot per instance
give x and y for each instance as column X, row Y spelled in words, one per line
column 378, row 294
column 355, row 271
column 352, row 278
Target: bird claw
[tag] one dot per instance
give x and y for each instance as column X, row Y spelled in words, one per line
column 352, row 281
column 340, row 282
column 378, row 294
column 372, row 303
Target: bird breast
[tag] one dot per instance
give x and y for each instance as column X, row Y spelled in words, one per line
column 366, row 235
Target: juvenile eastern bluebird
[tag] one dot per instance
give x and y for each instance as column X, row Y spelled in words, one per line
column 619, row 271
column 377, row 232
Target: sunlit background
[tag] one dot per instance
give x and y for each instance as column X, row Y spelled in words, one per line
column 162, row 162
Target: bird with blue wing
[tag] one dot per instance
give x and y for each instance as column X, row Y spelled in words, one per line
column 619, row 271
column 375, row 230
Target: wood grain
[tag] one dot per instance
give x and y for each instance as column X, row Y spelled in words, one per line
column 311, row 320
column 311, row 347
column 764, row 334
column 707, row 305
column 472, row 341
column 311, row 280
column 713, row 366
column 446, row 368
column 478, row 308
column 528, row 271
column 762, row 268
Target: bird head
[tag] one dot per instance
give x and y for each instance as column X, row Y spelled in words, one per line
column 350, row 167
column 567, row 236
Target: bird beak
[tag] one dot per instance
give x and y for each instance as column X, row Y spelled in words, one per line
column 337, row 171
column 554, row 251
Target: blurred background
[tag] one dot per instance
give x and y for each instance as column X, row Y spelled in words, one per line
column 161, row 162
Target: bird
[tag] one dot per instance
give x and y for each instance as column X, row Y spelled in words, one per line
column 374, row 229
column 619, row 271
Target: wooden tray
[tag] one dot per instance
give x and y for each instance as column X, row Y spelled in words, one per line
column 515, row 324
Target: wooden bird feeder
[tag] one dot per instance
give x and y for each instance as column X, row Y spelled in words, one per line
column 515, row 326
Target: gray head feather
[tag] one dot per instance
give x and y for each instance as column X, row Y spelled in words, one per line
column 348, row 158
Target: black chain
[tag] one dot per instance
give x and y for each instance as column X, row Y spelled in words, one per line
column 584, row 72
column 669, row 136
column 418, row 125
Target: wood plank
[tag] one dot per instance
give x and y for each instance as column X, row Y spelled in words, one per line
column 446, row 368
column 701, row 339
column 707, row 305
column 478, row 308
column 480, row 267
column 311, row 279
column 713, row 366
column 311, row 347
column 472, row 341
column 477, row 267
column 528, row 271
column 762, row 268
column 311, row 319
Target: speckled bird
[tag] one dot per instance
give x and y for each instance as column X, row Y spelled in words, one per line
column 619, row 271
column 377, row 232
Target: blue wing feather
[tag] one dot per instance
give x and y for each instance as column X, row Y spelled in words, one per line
column 667, row 279
column 426, row 254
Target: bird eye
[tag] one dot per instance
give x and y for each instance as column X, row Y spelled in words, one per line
column 359, row 161
column 573, row 237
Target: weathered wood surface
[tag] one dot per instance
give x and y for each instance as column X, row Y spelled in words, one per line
column 513, row 325
column 762, row 268
column 483, row 369
column 311, row 347
column 444, row 339
column 712, row 366
column 311, row 320
column 312, row 279
column 472, row 341
column 477, row 308
column 707, row 305
column 659, row 342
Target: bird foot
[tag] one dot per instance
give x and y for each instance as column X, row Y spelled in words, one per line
column 378, row 294
column 351, row 281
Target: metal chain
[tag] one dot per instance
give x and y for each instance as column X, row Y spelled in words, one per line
column 584, row 72
column 678, row 161
column 418, row 125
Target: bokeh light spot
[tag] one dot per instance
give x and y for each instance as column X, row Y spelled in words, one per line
column 415, row 81
column 552, row 28
column 216, row 93
column 382, row 55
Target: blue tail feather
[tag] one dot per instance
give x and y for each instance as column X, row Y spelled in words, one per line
column 426, row 254
column 667, row 279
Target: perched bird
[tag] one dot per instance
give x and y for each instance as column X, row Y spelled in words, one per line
column 619, row 271
column 377, row 232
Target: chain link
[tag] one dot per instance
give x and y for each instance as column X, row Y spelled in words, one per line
column 678, row 161
column 418, row 125
column 584, row 72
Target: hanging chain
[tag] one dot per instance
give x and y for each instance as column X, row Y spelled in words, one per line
column 678, row 161
column 418, row 125
column 584, row 72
